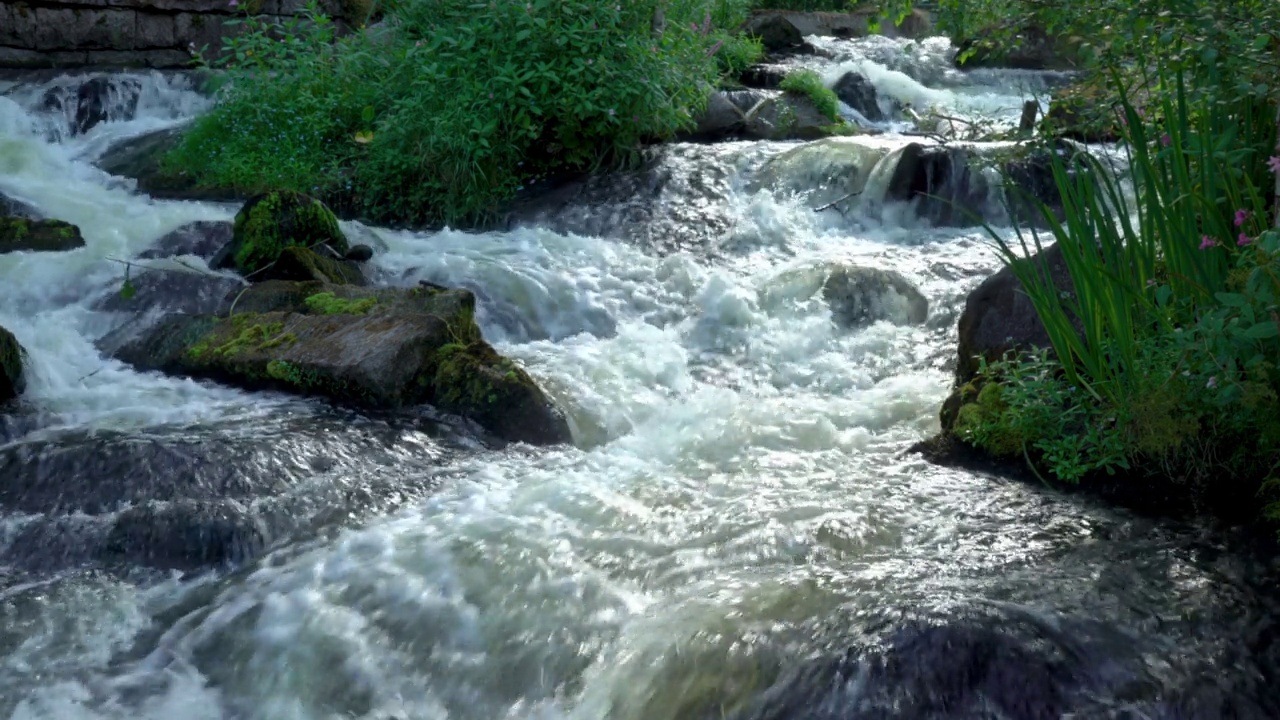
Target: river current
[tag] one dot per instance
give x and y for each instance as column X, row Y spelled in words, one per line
column 737, row 513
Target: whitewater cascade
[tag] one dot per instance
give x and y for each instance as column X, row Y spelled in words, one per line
column 737, row 503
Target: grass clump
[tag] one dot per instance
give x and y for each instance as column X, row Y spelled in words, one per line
column 809, row 84
column 452, row 106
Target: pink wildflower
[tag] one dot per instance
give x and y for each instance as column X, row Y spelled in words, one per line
column 1207, row 242
column 233, row 3
column 1165, row 140
column 1242, row 240
column 1241, row 216
column 1273, row 163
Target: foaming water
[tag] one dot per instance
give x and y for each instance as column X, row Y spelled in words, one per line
column 735, row 503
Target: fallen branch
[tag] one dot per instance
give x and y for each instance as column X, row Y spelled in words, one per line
column 190, row 269
column 837, row 201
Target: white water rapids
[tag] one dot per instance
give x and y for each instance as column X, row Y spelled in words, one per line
column 737, row 498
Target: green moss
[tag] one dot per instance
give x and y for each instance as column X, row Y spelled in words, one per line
column 251, row 335
column 269, row 223
column 981, row 423
column 809, row 83
column 326, row 304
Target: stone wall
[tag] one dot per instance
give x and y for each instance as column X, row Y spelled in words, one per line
column 124, row 33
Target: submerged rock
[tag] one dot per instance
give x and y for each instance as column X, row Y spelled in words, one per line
column 19, row 234
column 186, row 535
column 860, row 296
column 12, row 381
column 270, row 223
column 386, row 348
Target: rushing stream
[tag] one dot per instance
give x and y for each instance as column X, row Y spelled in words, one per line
column 737, row 513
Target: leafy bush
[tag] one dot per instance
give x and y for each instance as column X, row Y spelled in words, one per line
column 808, row 83
column 1165, row 352
column 452, row 105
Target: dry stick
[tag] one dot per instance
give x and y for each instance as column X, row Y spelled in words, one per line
column 190, row 269
column 837, row 201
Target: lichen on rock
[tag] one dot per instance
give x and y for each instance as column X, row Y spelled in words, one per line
column 271, row 222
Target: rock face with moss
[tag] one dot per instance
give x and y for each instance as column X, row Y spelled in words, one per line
column 384, row 348
column 19, row 234
column 11, row 378
column 271, row 222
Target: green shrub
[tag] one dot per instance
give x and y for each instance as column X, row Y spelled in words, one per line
column 809, row 83
column 456, row 105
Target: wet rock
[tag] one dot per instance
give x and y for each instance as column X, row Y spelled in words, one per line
column 857, row 92
column 270, row 223
column 12, row 207
column 961, row 669
column 721, row 120
column 940, row 180
column 999, row 317
column 824, row 171
column 860, row 296
column 783, row 31
column 12, row 381
column 187, row 534
column 203, row 238
column 764, row 77
column 359, row 253
column 20, row 234
column 386, row 348
column 141, row 159
column 102, row 99
column 175, row 290
column 788, row 116
column 775, row 30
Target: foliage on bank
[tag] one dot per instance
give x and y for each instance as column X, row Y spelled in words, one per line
column 446, row 107
column 1166, row 347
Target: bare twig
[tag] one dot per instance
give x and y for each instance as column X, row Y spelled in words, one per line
column 837, row 201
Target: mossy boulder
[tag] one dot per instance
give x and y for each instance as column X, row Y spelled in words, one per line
column 19, row 234
column 12, row 381
column 270, row 223
column 383, row 348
